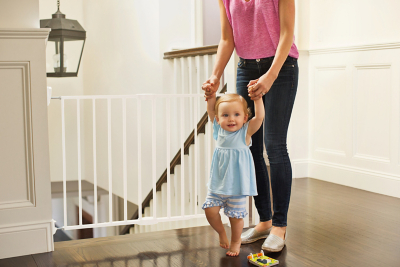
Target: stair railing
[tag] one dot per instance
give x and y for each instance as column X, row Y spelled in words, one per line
column 156, row 183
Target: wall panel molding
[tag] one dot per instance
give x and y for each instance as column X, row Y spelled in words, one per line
column 333, row 67
column 330, row 146
column 24, row 67
column 355, row 48
column 373, row 66
column 331, row 151
column 363, row 94
column 33, row 33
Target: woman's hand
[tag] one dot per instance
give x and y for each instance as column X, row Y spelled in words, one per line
column 210, row 87
column 258, row 88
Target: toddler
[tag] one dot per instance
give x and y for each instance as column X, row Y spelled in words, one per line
column 232, row 175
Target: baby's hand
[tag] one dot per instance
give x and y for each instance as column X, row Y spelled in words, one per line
column 251, row 88
column 210, row 87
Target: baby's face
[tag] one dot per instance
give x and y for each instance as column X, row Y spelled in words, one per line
column 231, row 116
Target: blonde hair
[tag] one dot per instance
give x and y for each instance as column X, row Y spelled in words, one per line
column 233, row 98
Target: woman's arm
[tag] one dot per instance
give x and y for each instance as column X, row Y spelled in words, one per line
column 224, row 52
column 256, row 121
column 286, row 21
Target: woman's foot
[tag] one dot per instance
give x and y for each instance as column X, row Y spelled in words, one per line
column 223, row 240
column 279, row 231
column 263, row 226
column 234, row 249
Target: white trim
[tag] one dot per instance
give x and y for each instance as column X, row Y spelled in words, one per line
column 300, row 168
column 360, row 178
column 331, row 151
column 17, row 231
column 372, row 158
column 333, row 67
column 355, row 48
column 41, row 33
column 355, row 169
column 373, row 66
column 378, row 182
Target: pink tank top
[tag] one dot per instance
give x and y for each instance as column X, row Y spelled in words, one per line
column 255, row 27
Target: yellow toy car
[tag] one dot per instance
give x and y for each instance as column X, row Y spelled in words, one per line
column 259, row 259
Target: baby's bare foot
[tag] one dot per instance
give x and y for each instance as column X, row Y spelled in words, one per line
column 234, row 249
column 223, row 241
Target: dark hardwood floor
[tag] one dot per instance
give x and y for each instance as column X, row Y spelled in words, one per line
column 329, row 225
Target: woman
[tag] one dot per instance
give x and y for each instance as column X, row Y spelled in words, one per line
column 262, row 34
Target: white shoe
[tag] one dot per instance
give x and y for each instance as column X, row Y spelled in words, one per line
column 274, row 243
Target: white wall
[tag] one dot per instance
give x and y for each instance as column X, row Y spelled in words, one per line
column 211, row 22
column 354, row 94
column 19, row 14
column 344, row 23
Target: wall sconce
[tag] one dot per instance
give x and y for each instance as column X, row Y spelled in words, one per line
column 65, row 45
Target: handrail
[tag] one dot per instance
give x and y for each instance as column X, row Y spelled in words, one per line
column 175, row 161
column 191, row 52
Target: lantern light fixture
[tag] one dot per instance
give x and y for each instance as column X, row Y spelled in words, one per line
column 65, row 45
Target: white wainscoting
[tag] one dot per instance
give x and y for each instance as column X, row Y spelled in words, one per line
column 13, row 239
column 354, row 112
column 16, row 138
column 25, row 192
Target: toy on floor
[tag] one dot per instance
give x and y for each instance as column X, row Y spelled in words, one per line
column 259, row 259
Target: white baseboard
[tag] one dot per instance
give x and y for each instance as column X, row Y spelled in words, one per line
column 300, row 168
column 25, row 239
column 373, row 181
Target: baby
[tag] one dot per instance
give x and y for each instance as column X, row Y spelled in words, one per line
column 232, row 175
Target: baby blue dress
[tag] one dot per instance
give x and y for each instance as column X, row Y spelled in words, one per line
column 232, row 168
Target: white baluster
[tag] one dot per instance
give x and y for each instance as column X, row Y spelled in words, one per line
column 94, row 162
column 183, row 138
column 192, row 74
column 203, row 177
column 147, row 214
column 191, row 203
column 172, row 224
column 154, row 156
column 153, row 227
column 78, row 120
column 168, row 157
column 64, row 165
column 187, row 177
column 124, row 164
column 178, row 193
column 110, row 195
column 202, row 173
column 159, row 225
column 195, row 158
column 163, row 207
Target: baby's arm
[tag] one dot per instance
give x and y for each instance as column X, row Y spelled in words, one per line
column 256, row 121
column 211, row 107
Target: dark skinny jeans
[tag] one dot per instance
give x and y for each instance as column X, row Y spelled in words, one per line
column 278, row 104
